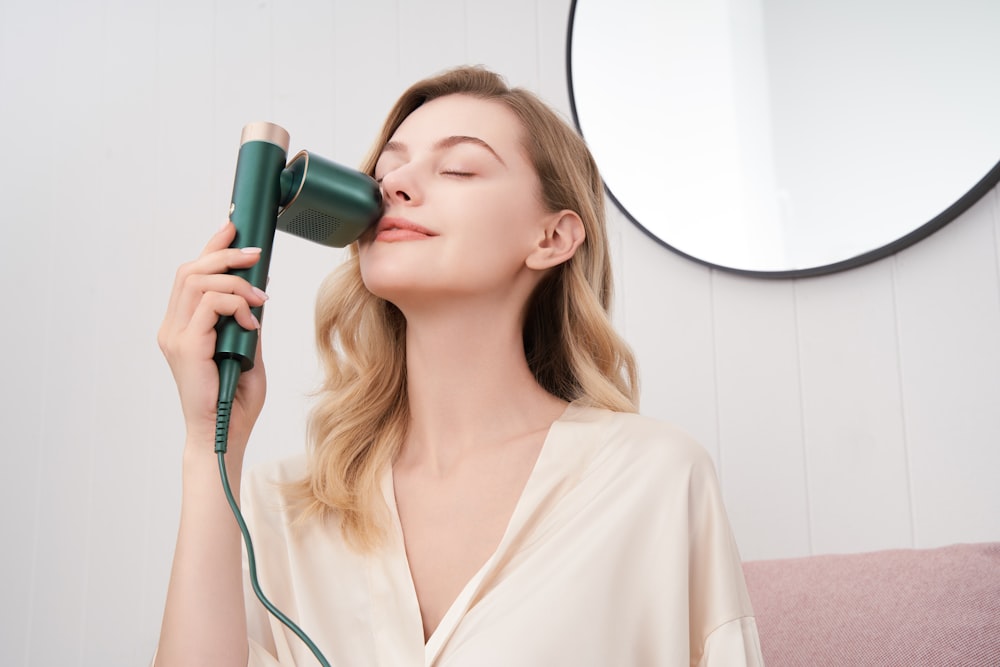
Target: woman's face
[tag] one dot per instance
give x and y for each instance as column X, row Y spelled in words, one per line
column 462, row 207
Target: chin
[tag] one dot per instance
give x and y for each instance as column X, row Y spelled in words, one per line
column 393, row 286
column 389, row 273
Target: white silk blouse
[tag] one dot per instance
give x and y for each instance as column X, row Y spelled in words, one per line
column 618, row 554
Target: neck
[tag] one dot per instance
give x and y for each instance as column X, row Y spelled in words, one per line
column 469, row 385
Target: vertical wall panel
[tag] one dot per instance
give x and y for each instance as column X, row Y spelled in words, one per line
column 28, row 111
column 431, row 39
column 305, row 93
column 760, row 415
column 125, row 75
column 553, row 23
column 859, row 486
column 995, row 194
column 67, row 358
column 503, row 36
column 187, row 203
column 949, row 329
column 366, row 72
column 667, row 319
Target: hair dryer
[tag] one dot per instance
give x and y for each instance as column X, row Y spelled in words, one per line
column 310, row 197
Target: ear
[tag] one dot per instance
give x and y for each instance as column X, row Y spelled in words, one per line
column 563, row 234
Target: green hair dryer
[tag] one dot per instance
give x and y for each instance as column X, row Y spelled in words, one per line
column 310, row 197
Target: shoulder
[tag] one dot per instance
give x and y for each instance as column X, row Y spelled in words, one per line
column 638, row 437
column 278, row 473
column 273, row 499
column 267, row 488
column 647, row 457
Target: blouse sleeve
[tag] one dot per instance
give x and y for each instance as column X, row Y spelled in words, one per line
column 719, row 604
column 734, row 644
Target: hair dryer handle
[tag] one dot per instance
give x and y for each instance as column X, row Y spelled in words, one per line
column 254, row 210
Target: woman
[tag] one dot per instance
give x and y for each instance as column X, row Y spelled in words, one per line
column 478, row 490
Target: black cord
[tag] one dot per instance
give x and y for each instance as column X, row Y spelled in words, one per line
column 229, row 373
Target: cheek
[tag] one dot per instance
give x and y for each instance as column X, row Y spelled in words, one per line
column 501, row 242
column 509, row 223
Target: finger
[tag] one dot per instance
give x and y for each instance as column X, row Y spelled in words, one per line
column 222, row 238
column 197, row 285
column 214, row 305
column 217, row 262
column 197, row 339
column 221, row 261
column 198, row 332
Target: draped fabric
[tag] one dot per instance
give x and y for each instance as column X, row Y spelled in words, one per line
column 618, row 553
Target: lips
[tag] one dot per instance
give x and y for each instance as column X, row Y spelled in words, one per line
column 391, row 229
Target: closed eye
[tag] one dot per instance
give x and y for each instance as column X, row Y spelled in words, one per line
column 452, row 172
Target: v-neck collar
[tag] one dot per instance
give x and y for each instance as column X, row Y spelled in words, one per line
column 549, row 479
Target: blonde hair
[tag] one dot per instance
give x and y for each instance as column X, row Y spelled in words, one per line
column 361, row 417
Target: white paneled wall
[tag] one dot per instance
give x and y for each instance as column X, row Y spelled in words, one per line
column 849, row 412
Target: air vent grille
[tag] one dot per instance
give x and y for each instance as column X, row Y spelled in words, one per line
column 314, row 225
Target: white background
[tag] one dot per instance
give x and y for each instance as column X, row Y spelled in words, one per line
column 852, row 412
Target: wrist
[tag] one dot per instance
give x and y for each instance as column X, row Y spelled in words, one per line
column 202, row 485
column 200, row 435
column 199, row 452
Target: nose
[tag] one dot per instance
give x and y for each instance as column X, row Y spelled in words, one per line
column 399, row 186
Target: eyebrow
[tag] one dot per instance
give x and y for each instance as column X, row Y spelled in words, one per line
column 447, row 142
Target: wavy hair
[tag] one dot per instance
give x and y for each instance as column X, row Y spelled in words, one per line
column 361, row 416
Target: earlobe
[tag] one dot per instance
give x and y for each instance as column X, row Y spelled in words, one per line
column 563, row 235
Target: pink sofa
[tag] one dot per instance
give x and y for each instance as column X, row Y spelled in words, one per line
column 911, row 607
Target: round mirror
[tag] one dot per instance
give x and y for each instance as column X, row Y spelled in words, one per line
column 787, row 138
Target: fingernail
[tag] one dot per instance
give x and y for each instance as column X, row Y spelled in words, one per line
column 224, row 225
column 260, row 293
column 250, row 251
column 256, row 322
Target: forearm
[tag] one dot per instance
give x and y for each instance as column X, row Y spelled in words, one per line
column 204, row 621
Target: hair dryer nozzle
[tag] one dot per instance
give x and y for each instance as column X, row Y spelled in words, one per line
column 326, row 202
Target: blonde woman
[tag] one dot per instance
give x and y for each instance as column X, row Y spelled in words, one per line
column 478, row 490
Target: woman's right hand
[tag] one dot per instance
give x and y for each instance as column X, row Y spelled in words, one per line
column 202, row 293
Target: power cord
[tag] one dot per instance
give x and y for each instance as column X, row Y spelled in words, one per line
column 229, row 375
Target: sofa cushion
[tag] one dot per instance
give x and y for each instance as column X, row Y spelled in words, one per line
column 900, row 607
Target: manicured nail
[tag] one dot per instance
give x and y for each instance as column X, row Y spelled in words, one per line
column 260, row 293
column 256, row 322
column 224, row 225
column 250, row 251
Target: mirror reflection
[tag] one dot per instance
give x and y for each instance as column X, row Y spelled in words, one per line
column 788, row 138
